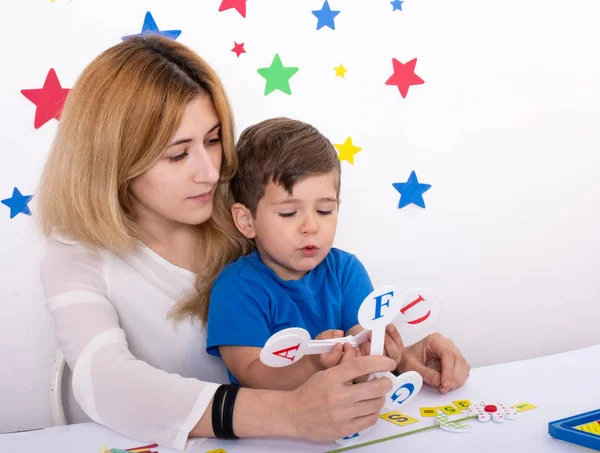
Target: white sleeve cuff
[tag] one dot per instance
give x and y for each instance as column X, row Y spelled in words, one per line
column 181, row 442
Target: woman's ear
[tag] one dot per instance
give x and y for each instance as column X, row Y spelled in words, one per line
column 242, row 217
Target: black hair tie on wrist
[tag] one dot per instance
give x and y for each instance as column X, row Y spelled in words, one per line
column 217, row 412
column 228, row 411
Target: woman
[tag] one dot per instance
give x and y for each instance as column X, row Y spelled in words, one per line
column 135, row 203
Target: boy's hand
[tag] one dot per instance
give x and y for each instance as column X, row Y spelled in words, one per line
column 331, row 358
column 393, row 345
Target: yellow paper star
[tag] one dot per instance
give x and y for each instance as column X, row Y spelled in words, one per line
column 347, row 150
column 340, row 71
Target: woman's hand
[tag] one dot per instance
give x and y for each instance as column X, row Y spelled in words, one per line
column 438, row 360
column 329, row 406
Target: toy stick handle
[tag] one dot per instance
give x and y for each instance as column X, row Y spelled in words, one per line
column 318, row 348
column 361, row 337
column 377, row 340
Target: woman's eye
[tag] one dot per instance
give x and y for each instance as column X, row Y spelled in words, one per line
column 287, row 214
column 321, row 212
column 178, row 156
column 214, row 141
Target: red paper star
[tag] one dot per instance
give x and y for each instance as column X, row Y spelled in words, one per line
column 239, row 5
column 404, row 76
column 238, row 49
column 49, row 99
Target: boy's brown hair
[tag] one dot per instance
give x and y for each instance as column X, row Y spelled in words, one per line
column 281, row 150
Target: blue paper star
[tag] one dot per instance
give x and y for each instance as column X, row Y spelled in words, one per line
column 397, row 4
column 325, row 16
column 18, row 203
column 411, row 191
column 150, row 27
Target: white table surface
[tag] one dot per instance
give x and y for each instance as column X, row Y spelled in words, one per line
column 560, row 386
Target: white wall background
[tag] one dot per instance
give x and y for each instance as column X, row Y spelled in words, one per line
column 505, row 129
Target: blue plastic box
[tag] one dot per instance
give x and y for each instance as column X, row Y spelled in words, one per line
column 564, row 429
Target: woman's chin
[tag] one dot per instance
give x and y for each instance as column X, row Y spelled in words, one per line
column 196, row 218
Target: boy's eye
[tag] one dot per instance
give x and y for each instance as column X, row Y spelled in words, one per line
column 178, row 156
column 323, row 212
column 287, row 214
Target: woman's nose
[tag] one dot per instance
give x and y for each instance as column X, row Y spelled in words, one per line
column 204, row 168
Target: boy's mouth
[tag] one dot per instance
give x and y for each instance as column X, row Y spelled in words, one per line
column 309, row 250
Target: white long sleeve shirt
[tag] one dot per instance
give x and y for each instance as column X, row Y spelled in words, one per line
column 134, row 370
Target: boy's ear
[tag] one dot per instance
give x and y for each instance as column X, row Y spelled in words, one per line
column 242, row 217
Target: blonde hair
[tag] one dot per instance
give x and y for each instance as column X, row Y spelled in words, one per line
column 117, row 120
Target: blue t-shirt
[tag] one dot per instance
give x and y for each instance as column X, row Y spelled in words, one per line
column 249, row 302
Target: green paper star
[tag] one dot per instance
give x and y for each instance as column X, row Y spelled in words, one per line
column 277, row 76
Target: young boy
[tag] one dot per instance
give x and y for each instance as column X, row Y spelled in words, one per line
column 286, row 194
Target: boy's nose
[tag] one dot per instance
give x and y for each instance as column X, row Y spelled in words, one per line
column 310, row 226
